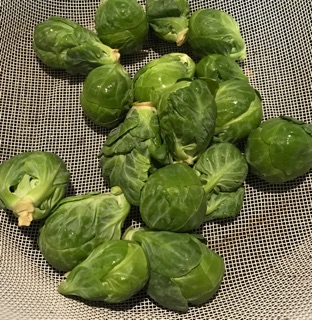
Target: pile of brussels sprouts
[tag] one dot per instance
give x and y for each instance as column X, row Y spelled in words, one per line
column 172, row 151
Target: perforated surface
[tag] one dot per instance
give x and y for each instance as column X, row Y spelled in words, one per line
column 267, row 249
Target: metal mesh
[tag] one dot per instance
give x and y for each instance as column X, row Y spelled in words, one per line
column 267, row 249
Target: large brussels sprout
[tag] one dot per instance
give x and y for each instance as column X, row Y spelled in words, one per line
column 182, row 102
column 219, row 68
column 169, row 19
column 280, row 149
column 107, row 95
column 113, row 272
column 173, row 199
column 63, row 44
column 32, row 183
column 133, row 150
column 79, row 224
column 215, row 31
column 239, row 110
column 183, row 270
column 222, row 170
column 121, row 24
column 158, row 74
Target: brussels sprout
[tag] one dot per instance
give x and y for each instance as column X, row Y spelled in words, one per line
column 63, row 44
column 132, row 150
column 225, row 204
column 107, row 95
column 79, row 224
column 121, row 24
column 169, row 19
column 215, row 31
column 173, row 199
column 222, row 167
column 219, row 68
column 32, row 183
column 280, row 149
column 113, row 272
column 158, row 74
column 183, row 270
column 239, row 110
column 181, row 102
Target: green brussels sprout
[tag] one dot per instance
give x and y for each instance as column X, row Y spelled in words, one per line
column 158, row 74
column 223, row 205
column 183, row 270
column 107, row 95
column 222, row 170
column 181, row 102
column 32, row 183
column 219, row 68
column 169, row 19
column 63, row 44
column 280, row 149
column 121, row 24
column 132, row 150
column 239, row 110
column 215, row 31
column 173, row 199
column 79, row 224
column 113, row 272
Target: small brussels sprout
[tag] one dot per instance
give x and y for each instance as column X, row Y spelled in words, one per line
column 63, row 44
column 280, row 149
column 113, row 272
column 222, row 167
column 183, row 270
column 107, row 95
column 32, row 183
column 132, row 150
column 121, row 24
column 223, row 205
column 169, row 19
column 215, row 31
column 181, row 102
column 219, row 68
column 173, row 199
column 79, row 224
column 158, row 74
column 239, row 110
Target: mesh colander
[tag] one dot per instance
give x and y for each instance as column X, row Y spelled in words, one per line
column 267, row 249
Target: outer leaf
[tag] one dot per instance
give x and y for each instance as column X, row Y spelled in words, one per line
column 184, row 101
column 201, row 283
column 166, row 292
column 157, row 75
column 32, row 183
column 220, row 68
column 222, row 167
column 165, row 248
column 239, row 110
column 86, row 221
column 113, row 272
column 225, row 204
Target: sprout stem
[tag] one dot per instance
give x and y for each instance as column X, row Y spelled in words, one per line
column 24, row 210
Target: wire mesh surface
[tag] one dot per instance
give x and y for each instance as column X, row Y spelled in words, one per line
column 267, row 249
